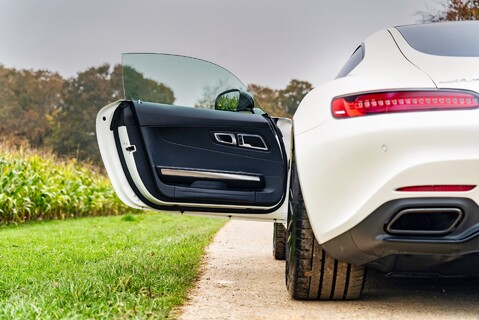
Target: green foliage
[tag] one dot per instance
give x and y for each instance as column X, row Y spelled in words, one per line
column 140, row 88
column 290, row 97
column 228, row 102
column 210, row 93
column 454, row 10
column 266, row 98
column 101, row 268
column 282, row 103
column 73, row 128
column 37, row 186
column 28, row 101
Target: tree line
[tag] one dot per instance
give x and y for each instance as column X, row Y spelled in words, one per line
column 43, row 109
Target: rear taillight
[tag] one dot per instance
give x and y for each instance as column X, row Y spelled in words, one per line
column 402, row 101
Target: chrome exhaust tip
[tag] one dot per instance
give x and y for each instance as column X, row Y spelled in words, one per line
column 425, row 221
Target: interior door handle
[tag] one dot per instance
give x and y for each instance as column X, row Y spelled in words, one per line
column 252, row 141
column 225, row 138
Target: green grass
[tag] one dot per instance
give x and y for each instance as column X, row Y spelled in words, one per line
column 36, row 185
column 133, row 266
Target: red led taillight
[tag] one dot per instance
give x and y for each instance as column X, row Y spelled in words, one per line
column 402, row 101
column 437, row 188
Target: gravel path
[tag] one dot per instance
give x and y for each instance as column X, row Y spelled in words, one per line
column 241, row 280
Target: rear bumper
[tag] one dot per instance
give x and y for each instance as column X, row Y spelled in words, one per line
column 453, row 253
column 348, row 168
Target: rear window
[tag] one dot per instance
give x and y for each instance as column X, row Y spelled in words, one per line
column 454, row 39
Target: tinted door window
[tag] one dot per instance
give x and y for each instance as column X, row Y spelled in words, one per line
column 175, row 80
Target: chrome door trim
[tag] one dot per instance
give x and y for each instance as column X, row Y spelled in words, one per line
column 208, row 175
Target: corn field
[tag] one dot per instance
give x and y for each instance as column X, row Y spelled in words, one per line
column 38, row 186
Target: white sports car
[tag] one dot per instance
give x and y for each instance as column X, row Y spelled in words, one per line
column 379, row 171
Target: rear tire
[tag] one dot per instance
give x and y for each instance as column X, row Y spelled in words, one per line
column 311, row 274
column 279, row 241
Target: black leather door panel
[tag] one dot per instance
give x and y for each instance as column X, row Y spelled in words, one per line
column 183, row 139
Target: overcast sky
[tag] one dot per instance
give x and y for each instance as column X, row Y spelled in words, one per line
column 267, row 42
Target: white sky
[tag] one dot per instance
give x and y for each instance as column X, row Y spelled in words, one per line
column 267, row 42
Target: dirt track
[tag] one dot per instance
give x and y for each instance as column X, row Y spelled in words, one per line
column 241, row 280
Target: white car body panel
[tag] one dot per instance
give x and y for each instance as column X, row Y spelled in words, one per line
column 342, row 189
column 349, row 167
column 398, row 72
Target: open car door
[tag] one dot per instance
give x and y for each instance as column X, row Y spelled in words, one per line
column 188, row 139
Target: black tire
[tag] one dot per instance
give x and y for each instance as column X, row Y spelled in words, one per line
column 311, row 274
column 279, row 241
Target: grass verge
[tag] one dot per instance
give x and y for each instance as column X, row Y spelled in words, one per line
column 134, row 266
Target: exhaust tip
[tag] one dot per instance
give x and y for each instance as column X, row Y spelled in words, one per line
column 425, row 221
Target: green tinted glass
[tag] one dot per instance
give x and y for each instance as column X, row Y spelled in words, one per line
column 178, row 80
